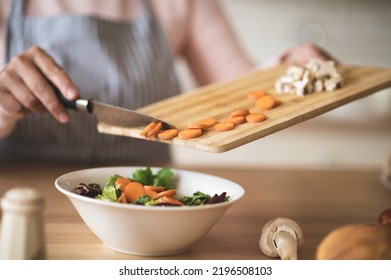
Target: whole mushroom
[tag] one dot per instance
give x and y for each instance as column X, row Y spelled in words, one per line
column 281, row 237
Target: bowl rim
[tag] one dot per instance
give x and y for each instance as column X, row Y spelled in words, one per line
column 72, row 195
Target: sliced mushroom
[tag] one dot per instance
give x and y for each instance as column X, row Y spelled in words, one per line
column 318, row 85
column 333, row 83
column 281, row 237
column 296, row 72
column 316, row 76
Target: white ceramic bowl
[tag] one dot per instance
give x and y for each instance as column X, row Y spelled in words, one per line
column 149, row 230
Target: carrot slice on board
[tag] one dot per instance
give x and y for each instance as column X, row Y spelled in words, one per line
column 190, row 133
column 255, row 117
column 203, row 124
column 224, row 126
column 168, row 134
column 235, row 120
column 197, row 125
column 133, row 191
column 266, row 102
column 240, row 112
column 255, row 94
column 208, row 123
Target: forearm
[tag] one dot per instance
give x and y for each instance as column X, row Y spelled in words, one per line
column 212, row 49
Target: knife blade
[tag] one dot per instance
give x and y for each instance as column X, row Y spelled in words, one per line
column 109, row 114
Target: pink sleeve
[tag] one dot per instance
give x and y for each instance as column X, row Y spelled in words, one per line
column 211, row 48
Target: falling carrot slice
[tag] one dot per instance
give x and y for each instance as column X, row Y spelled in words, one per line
column 190, row 133
column 154, row 131
column 255, row 117
column 133, row 191
column 224, row 126
column 168, row 134
column 147, row 129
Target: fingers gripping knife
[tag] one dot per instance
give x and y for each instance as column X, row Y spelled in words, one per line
column 111, row 115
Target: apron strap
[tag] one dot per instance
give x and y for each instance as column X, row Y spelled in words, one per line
column 14, row 25
column 17, row 7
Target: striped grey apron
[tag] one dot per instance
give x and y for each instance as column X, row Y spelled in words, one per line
column 124, row 64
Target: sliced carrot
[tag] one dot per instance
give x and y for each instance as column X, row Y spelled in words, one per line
column 166, row 193
column 122, row 182
column 208, row 123
column 255, row 94
column 123, row 198
column 190, row 133
column 255, row 117
column 169, row 200
column 235, row 120
column 203, row 124
column 240, row 112
column 168, row 134
column 154, row 131
column 151, row 194
column 197, row 125
column 147, row 129
column 224, row 126
column 154, row 188
column 266, row 102
column 133, row 191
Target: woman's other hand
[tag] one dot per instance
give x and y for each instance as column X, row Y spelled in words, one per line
column 300, row 55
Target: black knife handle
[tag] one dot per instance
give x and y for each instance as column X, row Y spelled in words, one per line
column 82, row 105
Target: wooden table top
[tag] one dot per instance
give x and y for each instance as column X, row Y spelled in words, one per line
column 319, row 200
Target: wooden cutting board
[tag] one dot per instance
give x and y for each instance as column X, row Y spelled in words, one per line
column 218, row 100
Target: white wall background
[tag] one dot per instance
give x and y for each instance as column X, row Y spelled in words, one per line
column 357, row 135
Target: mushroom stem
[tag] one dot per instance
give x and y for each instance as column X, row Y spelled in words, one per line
column 286, row 245
column 281, row 237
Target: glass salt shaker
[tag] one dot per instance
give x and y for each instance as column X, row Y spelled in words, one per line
column 22, row 232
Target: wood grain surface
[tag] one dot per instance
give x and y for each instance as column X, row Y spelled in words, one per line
column 218, row 100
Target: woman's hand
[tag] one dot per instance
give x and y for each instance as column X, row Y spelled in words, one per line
column 24, row 88
column 300, row 55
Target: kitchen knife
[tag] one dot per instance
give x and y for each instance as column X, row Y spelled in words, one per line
column 109, row 114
